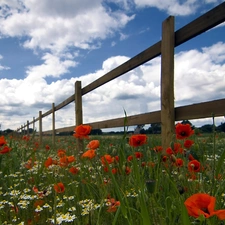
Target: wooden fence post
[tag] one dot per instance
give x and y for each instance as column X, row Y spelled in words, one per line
column 167, row 82
column 28, row 132
column 53, row 124
column 40, row 127
column 78, row 113
column 33, row 124
column 21, row 130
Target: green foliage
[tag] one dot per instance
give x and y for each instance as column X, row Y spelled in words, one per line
column 143, row 191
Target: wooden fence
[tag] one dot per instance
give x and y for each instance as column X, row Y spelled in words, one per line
column 168, row 114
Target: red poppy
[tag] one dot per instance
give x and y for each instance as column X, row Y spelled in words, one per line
column 194, row 166
column 169, row 151
column 2, row 141
column 188, row 143
column 47, row 147
column 113, row 205
column 183, row 131
column 203, row 204
column 130, row 158
column 177, row 148
column 5, row 150
column 138, row 155
column 89, row 154
column 158, row 149
column 74, row 170
column 61, row 153
column 48, row 162
column 179, row 162
column 137, row 140
column 82, row 131
column 114, row 170
column 59, row 187
column 107, row 158
column 93, row 144
column 190, row 157
column 127, row 170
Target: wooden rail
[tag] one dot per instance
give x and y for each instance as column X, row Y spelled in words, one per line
column 203, row 23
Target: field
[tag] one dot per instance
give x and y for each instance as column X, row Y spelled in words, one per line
column 126, row 179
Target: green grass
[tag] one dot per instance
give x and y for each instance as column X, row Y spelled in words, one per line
column 153, row 193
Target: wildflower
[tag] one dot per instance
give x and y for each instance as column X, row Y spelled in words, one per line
column 138, row 155
column 129, row 158
column 158, row 149
column 137, row 140
column 74, row 170
column 59, row 187
column 194, row 166
column 61, row 153
column 127, row 170
column 47, row 147
column 89, row 154
column 48, row 162
column 107, row 158
column 5, row 150
column 112, row 205
column 2, row 141
column 26, row 137
column 188, row 143
column 203, row 204
column 179, row 162
column 169, row 151
column 82, row 131
column 93, row 144
column 177, row 148
column 183, row 131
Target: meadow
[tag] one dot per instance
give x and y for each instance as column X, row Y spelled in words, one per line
column 127, row 179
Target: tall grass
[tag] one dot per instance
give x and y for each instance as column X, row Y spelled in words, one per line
column 143, row 190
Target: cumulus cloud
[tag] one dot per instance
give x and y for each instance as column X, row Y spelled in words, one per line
column 57, row 26
column 3, row 67
column 199, row 77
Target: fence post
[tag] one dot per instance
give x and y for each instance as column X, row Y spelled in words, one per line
column 167, row 82
column 28, row 127
column 78, row 112
column 40, row 127
column 33, row 124
column 21, row 129
column 53, row 124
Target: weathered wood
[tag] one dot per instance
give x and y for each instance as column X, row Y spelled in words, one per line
column 65, row 102
column 167, row 82
column 188, row 112
column 53, row 124
column 33, row 124
column 40, row 127
column 144, row 56
column 28, row 127
column 78, row 113
column 203, row 23
column 198, row 26
column 201, row 110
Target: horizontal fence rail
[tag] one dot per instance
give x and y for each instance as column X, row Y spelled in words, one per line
column 194, row 111
column 198, row 26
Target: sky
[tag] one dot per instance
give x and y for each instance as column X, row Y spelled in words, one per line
column 47, row 45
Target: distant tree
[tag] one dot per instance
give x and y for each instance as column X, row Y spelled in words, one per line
column 96, row 132
column 188, row 122
column 139, row 129
column 207, row 128
column 221, row 127
column 155, row 128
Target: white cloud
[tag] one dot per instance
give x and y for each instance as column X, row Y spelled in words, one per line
column 58, row 26
column 3, row 67
column 172, row 7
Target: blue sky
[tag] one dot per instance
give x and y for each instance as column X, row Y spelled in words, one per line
column 45, row 46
